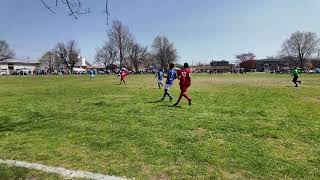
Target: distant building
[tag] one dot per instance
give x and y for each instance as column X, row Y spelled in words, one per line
column 215, row 66
column 219, row 63
column 266, row 65
column 15, row 66
column 201, row 68
column 82, row 63
column 223, row 65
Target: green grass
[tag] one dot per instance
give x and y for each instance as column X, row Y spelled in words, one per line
column 12, row 173
column 240, row 126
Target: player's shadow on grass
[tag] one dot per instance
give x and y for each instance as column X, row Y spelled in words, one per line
column 154, row 102
column 165, row 104
column 7, row 125
column 32, row 121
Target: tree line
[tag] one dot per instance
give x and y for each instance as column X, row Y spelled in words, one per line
column 121, row 47
column 300, row 46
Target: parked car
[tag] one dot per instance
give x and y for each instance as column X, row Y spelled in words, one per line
column 23, row 71
column 3, row 72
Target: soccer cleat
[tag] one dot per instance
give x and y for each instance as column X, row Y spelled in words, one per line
column 190, row 102
column 175, row 105
column 171, row 99
column 161, row 99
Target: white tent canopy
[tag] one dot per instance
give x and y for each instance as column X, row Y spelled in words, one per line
column 79, row 70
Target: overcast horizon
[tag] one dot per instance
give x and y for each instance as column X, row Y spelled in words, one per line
column 201, row 30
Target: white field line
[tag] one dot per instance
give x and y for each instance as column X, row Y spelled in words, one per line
column 59, row 170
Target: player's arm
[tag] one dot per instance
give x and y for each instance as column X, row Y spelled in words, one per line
column 178, row 75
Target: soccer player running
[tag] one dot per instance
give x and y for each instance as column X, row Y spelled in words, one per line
column 91, row 73
column 295, row 74
column 171, row 76
column 160, row 77
column 123, row 74
column 185, row 82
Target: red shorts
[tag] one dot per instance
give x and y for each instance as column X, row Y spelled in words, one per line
column 184, row 88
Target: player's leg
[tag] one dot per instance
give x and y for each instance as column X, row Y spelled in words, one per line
column 169, row 85
column 169, row 96
column 186, row 94
column 182, row 92
column 164, row 94
column 295, row 81
column 187, row 97
column 298, row 81
column 179, row 99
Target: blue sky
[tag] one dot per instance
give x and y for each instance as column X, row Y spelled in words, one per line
column 202, row 30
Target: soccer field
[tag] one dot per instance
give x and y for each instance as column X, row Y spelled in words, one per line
column 239, row 126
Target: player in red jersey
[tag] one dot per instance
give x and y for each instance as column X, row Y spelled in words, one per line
column 123, row 74
column 185, row 82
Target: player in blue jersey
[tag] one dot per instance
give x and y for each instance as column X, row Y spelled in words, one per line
column 171, row 76
column 91, row 74
column 160, row 77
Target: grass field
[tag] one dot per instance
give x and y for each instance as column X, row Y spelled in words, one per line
column 240, row 126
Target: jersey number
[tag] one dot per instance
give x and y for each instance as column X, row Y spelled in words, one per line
column 184, row 74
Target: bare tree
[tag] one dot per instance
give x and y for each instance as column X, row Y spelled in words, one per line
column 164, row 51
column 5, row 51
column 149, row 60
column 51, row 60
column 69, row 54
column 137, row 54
column 301, row 45
column 74, row 7
column 245, row 57
column 247, row 61
column 106, row 55
column 120, row 37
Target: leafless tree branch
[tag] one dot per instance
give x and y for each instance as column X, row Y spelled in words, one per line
column 301, row 45
column 48, row 7
column 164, row 51
column 5, row 51
column 68, row 54
column 74, row 7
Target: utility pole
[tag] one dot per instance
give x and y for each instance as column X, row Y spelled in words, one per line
column 107, row 11
column 50, row 61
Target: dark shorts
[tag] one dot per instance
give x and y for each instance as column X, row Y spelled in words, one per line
column 295, row 78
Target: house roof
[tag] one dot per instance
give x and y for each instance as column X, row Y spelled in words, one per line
column 20, row 61
column 270, row 59
column 313, row 59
